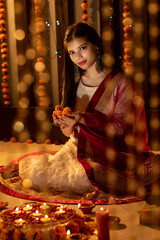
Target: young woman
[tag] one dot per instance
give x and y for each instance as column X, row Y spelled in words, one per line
column 107, row 126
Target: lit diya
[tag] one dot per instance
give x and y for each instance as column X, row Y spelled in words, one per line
column 37, row 214
column 76, row 236
column 46, row 219
column 19, row 222
column 16, row 211
column 60, row 211
column 27, row 208
column 44, row 206
column 60, row 207
column 86, row 208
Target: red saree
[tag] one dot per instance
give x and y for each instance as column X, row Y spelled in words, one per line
column 112, row 162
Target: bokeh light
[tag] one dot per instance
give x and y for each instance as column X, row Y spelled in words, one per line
column 21, row 59
column 108, row 60
column 139, row 52
column 154, row 101
column 44, row 77
column 18, row 126
column 22, row 87
column 28, row 79
column 110, row 154
column 107, row 11
column 108, row 35
column 24, row 102
column 24, row 136
column 19, row 34
column 138, row 4
column 41, row 115
column 46, row 126
column 139, row 77
column 40, row 66
column 30, row 53
column 18, row 8
column 154, row 123
column 153, row 8
column 154, row 54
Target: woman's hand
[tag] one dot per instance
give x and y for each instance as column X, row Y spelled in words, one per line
column 70, row 120
column 67, row 123
column 56, row 121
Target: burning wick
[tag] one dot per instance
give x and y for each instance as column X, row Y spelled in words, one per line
column 27, row 207
column 36, row 213
column 20, row 221
column 46, row 219
column 60, row 211
column 44, row 206
column 17, row 210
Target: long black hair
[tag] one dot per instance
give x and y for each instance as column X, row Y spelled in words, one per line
column 77, row 30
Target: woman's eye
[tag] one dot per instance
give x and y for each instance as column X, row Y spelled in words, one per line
column 71, row 53
column 82, row 48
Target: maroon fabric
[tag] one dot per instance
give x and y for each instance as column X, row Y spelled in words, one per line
column 93, row 131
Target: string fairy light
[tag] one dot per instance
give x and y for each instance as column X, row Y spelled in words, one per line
column 37, row 53
column 107, row 33
column 133, row 65
column 19, row 126
column 4, row 54
column 139, row 70
column 154, row 77
column 138, row 33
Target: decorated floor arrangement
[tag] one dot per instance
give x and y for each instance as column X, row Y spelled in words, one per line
column 44, row 221
column 11, row 184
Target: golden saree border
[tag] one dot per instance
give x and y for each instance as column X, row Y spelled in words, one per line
column 108, row 92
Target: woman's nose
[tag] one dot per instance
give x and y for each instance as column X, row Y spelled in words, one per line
column 79, row 55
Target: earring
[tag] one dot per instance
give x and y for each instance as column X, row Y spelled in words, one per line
column 76, row 73
column 99, row 65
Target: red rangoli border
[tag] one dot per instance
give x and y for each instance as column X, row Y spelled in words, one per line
column 6, row 190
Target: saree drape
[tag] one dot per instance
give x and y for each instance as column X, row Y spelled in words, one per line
column 112, row 162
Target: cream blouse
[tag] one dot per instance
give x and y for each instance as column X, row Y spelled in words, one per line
column 83, row 96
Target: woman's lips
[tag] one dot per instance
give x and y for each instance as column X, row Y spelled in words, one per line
column 81, row 63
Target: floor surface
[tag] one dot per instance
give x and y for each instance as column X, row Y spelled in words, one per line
column 129, row 227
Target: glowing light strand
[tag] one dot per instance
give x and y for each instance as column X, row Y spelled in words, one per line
column 107, row 12
column 138, row 34
column 154, row 77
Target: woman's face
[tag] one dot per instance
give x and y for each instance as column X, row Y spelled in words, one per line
column 82, row 53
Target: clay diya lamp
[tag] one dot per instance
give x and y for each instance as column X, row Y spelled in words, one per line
column 86, row 208
column 45, row 208
column 19, row 222
column 27, row 208
column 36, row 214
column 17, row 210
column 77, row 236
column 46, row 219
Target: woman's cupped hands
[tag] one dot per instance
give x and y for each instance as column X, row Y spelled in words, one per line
column 66, row 121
